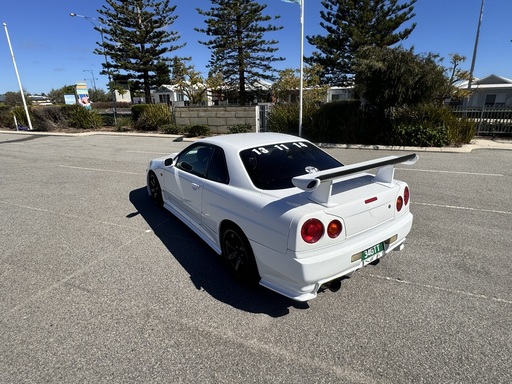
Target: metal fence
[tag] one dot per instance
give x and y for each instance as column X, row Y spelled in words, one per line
column 262, row 114
column 489, row 120
column 495, row 121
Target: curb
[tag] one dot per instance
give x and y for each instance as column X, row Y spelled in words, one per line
column 478, row 143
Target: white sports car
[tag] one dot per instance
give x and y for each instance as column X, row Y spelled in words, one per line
column 281, row 211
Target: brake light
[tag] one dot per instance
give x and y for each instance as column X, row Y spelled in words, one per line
column 334, row 229
column 406, row 195
column 399, row 203
column 312, row 231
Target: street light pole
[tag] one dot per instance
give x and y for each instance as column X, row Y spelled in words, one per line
column 90, row 20
column 18, row 77
column 93, row 78
column 301, row 86
column 301, row 91
column 476, row 46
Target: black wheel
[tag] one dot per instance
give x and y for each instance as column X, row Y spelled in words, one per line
column 238, row 255
column 155, row 190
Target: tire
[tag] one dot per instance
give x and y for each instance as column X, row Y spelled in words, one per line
column 155, row 190
column 238, row 255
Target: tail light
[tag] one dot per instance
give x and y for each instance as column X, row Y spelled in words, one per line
column 399, row 203
column 312, row 231
column 402, row 201
column 334, row 229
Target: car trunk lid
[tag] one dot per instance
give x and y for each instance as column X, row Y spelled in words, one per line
column 362, row 203
column 362, row 199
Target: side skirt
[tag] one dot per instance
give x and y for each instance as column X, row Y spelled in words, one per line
column 198, row 229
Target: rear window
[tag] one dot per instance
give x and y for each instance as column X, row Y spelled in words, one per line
column 274, row 166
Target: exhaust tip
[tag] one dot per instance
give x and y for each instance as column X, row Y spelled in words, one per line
column 335, row 285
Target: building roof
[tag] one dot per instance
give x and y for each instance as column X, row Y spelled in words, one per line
column 491, row 81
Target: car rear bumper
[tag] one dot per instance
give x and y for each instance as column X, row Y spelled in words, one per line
column 300, row 276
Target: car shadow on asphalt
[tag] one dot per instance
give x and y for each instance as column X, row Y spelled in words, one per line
column 206, row 269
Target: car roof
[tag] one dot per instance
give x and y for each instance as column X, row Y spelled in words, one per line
column 233, row 144
column 239, row 141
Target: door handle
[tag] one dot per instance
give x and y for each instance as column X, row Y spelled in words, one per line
column 195, row 186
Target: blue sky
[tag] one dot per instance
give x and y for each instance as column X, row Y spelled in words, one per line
column 53, row 49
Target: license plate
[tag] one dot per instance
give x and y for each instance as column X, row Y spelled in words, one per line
column 372, row 253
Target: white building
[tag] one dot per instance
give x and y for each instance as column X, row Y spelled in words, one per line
column 340, row 93
column 168, row 94
column 490, row 91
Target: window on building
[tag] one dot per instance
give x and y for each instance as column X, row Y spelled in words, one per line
column 164, row 98
column 490, row 100
column 501, row 100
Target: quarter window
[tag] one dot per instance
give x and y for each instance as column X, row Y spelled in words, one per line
column 217, row 169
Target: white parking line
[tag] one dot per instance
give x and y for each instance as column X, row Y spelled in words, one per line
column 452, row 172
column 463, row 208
column 81, row 218
column 465, row 293
column 100, row 170
column 150, row 153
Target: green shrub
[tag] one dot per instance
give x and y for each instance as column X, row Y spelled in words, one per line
column 108, row 119
column 171, row 129
column 6, row 119
column 152, row 117
column 80, row 117
column 339, row 122
column 50, row 113
column 47, row 118
column 21, row 116
column 123, row 124
column 284, row 118
column 137, row 110
column 462, row 131
column 239, row 128
column 198, row 131
column 428, row 125
column 419, row 135
column 335, row 122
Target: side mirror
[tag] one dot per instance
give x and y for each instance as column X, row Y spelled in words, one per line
column 168, row 162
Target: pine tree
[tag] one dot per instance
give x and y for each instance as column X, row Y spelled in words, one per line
column 136, row 39
column 238, row 49
column 352, row 25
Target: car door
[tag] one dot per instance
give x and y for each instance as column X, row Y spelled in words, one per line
column 184, row 181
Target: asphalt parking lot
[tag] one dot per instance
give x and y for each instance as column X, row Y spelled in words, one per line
column 99, row 286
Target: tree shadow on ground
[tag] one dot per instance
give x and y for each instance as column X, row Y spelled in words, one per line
column 206, row 269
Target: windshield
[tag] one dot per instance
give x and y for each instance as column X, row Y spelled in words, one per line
column 274, row 166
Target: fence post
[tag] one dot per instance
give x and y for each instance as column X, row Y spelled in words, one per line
column 481, row 119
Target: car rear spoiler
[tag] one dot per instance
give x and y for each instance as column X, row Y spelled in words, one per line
column 320, row 183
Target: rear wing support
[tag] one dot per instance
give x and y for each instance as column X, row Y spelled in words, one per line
column 320, row 183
